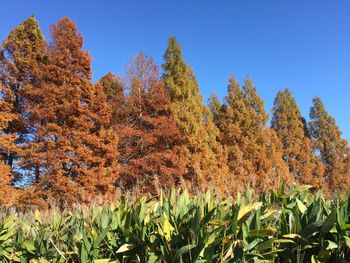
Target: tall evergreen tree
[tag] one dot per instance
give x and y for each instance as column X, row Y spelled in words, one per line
column 203, row 154
column 329, row 146
column 20, row 55
column 297, row 147
column 254, row 151
column 150, row 137
column 74, row 145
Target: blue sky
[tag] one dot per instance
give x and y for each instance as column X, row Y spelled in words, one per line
column 302, row 45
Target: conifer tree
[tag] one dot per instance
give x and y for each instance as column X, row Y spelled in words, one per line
column 297, row 148
column 203, row 154
column 215, row 107
column 113, row 87
column 261, row 145
column 74, row 145
column 332, row 150
column 254, row 151
column 228, row 118
column 150, row 138
column 7, row 144
column 20, row 56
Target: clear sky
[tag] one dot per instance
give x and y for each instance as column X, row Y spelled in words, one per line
column 302, row 45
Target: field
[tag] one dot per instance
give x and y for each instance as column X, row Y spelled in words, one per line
column 295, row 225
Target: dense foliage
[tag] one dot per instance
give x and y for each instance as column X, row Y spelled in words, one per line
column 280, row 226
column 297, row 145
column 66, row 140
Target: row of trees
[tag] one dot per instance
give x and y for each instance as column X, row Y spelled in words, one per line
column 69, row 139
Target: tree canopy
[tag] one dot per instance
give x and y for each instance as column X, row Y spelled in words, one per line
column 65, row 139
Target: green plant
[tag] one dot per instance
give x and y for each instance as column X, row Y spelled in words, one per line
column 292, row 225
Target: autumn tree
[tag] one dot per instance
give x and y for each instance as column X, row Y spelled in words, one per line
column 227, row 117
column 215, row 107
column 20, row 55
column 203, row 154
column 332, row 150
column 150, row 137
column 114, row 89
column 297, row 147
column 254, row 151
column 7, row 144
column 73, row 144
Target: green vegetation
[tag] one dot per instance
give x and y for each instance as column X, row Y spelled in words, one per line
column 294, row 225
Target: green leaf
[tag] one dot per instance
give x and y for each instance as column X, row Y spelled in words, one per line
column 29, row 245
column 183, row 250
column 252, row 244
column 105, row 218
column 207, row 217
column 311, row 229
column 262, row 232
column 329, row 222
column 100, row 237
column 331, row 245
column 9, row 221
column 152, row 258
column 347, row 241
column 314, row 259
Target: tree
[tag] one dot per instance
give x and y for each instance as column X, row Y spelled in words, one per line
column 74, row 145
column 297, row 147
column 150, row 138
column 215, row 107
column 254, row 151
column 114, row 88
column 203, row 154
column 20, row 56
column 332, row 150
column 7, row 144
column 227, row 118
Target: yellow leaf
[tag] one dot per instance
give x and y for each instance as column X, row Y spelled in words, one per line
column 167, row 228
column 246, row 210
column 125, row 247
column 301, row 206
column 37, row 216
column 292, row 236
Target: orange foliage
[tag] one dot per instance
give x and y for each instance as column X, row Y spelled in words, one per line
column 74, row 149
column 149, row 136
column 81, row 141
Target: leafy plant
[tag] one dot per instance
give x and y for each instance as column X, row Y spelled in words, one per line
column 293, row 225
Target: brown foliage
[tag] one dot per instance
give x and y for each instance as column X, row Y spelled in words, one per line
column 150, row 136
column 333, row 151
column 74, row 149
column 19, row 59
column 7, row 144
column 297, row 147
column 254, row 151
column 114, row 89
column 80, row 140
